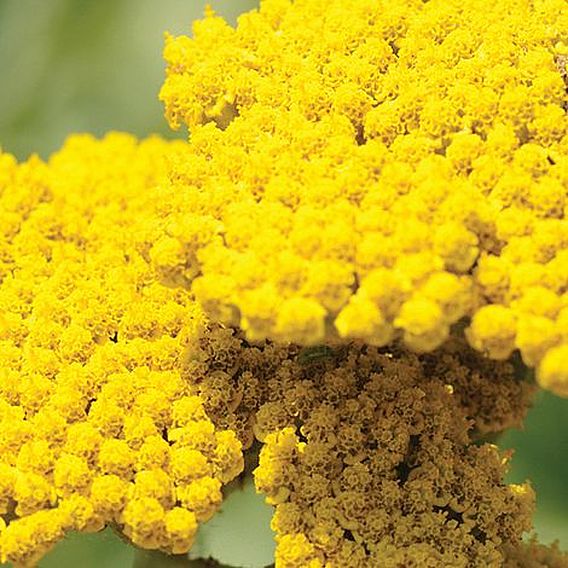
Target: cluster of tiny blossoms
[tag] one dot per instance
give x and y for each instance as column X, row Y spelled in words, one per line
column 375, row 170
column 364, row 180
column 97, row 426
column 121, row 404
column 367, row 453
column 380, row 473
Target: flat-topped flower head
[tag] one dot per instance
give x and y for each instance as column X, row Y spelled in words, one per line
column 96, row 421
column 389, row 478
column 374, row 171
column 350, row 265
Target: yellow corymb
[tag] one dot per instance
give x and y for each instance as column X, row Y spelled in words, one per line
column 349, row 261
column 361, row 144
column 92, row 402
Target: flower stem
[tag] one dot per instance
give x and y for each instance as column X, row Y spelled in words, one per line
column 157, row 559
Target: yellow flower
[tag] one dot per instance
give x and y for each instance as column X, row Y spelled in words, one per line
column 552, row 371
column 92, row 344
column 423, row 324
column 349, row 173
column 115, row 457
column 181, row 526
column 362, row 319
column 493, row 331
column 143, row 520
column 108, row 495
column 188, row 464
column 352, row 196
column 71, row 475
column 202, row 496
column 32, row 492
column 295, row 551
column 156, row 484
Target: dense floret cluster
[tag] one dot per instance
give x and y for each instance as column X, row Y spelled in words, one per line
column 97, row 425
column 122, row 404
column 377, row 170
column 350, row 269
column 357, row 436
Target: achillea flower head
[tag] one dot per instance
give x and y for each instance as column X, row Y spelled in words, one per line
column 363, row 181
column 368, row 486
column 91, row 381
column 376, row 171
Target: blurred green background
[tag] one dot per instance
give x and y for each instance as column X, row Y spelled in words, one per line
column 86, row 65
column 95, row 65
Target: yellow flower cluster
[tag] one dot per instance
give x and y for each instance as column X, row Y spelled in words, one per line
column 364, row 180
column 97, row 425
column 375, row 170
column 373, row 467
column 256, row 390
column 359, row 440
column 534, row 555
column 122, row 405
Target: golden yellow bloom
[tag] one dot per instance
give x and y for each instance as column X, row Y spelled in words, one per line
column 364, row 180
column 144, row 522
column 360, row 481
column 493, row 331
column 92, row 343
column 202, row 496
column 552, row 372
column 373, row 139
column 297, row 552
column 181, row 526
